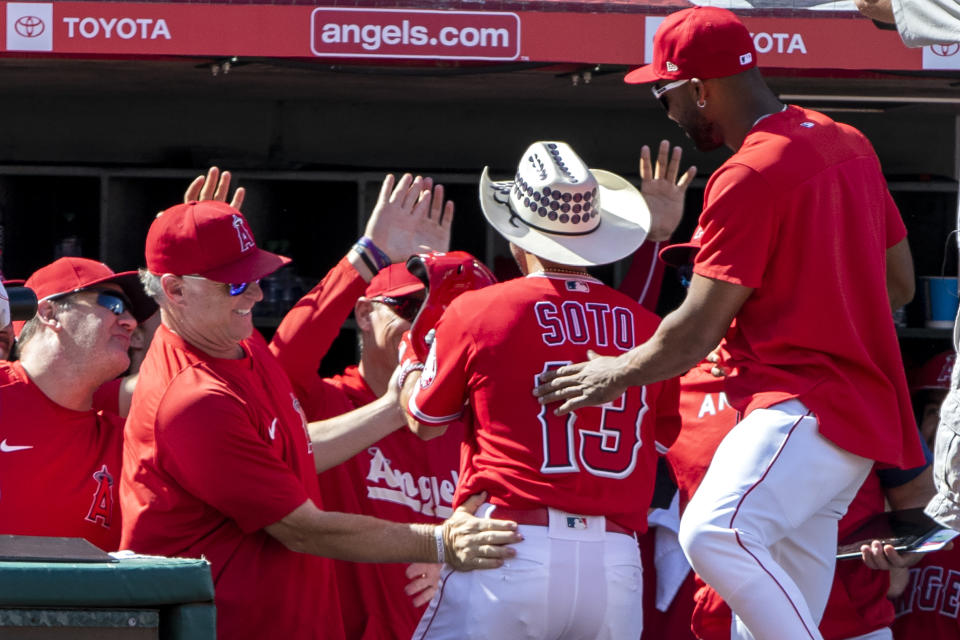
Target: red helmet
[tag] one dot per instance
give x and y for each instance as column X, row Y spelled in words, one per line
column 446, row 276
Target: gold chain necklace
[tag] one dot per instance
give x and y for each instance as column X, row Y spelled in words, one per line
column 570, row 271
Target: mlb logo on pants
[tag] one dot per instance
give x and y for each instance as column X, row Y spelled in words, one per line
column 576, row 522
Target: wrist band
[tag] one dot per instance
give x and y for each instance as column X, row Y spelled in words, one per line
column 360, row 251
column 441, row 551
column 379, row 257
column 408, row 366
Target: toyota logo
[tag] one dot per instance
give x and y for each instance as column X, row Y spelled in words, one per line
column 29, row 26
column 945, row 50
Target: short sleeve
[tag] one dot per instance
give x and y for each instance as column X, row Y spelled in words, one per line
column 442, row 391
column 210, row 445
column 739, row 225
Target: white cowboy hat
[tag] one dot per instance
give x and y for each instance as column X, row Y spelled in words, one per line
column 558, row 209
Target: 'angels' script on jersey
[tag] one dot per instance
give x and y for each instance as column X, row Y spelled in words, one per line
column 595, row 323
column 427, row 494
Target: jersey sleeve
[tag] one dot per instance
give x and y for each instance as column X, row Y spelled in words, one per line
column 210, row 445
column 668, row 415
column 310, row 327
column 442, row 391
column 739, row 228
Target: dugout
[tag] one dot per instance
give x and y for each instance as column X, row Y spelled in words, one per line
column 112, row 107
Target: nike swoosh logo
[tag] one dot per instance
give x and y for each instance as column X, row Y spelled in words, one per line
column 273, row 429
column 7, row 448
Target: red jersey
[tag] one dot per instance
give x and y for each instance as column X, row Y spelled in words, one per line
column 930, row 604
column 59, row 468
column 107, row 396
column 214, row 451
column 400, row 478
column 491, row 347
column 858, row 602
column 801, row 214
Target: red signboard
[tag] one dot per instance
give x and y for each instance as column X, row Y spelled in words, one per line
column 825, row 40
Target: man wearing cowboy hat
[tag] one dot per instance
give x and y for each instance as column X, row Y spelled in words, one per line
column 59, row 457
column 579, row 487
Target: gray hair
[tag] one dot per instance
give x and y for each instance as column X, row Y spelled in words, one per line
column 151, row 285
column 32, row 326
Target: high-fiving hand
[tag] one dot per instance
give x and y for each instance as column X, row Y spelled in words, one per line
column 664, row 188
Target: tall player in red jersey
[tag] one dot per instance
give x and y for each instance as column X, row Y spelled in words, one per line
column 580, row 485
column 800, row 237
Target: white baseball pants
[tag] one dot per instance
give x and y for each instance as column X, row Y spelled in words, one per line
column 563, row 584
column 762, row 527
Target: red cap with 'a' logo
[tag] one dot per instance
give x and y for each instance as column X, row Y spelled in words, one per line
column 210, row 239
column 699, row 42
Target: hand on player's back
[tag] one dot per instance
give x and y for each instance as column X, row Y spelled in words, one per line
column 583, row 384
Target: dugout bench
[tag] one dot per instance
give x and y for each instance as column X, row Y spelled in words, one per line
column 85, row 594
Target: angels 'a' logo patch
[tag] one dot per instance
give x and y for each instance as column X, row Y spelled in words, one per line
column 429, row 367
column 101, row 508
column 243, row 233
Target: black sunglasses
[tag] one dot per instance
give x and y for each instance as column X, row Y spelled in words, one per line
column 406, row 308
column 117, row 303
column 685, row 274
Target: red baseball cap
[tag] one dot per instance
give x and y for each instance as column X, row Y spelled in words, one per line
column 935, row 373
column 677, row 255
column 394, row 281
column 69, row 275
column 210, row 239
column 699, row 42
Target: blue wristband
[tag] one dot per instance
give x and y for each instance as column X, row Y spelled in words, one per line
column 379, row 257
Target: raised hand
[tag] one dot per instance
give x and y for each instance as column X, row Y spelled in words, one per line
column 210, row 188
column 663, row 190
column 410, row 216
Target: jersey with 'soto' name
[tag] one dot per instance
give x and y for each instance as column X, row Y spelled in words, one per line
column 59, row 468
column 490, row 349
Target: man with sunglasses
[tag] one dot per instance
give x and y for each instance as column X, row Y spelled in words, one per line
column 218, row 460
column 800, row 238
column 60, row 459
column 395, row 475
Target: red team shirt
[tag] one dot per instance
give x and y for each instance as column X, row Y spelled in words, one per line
column 492, row 345
column 929, row 606
column 791, row 201
column 215, row 450
column 400, row 478
column 857, row 604
column 59, row 468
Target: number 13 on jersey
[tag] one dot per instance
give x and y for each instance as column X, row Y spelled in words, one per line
column 603, row 441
